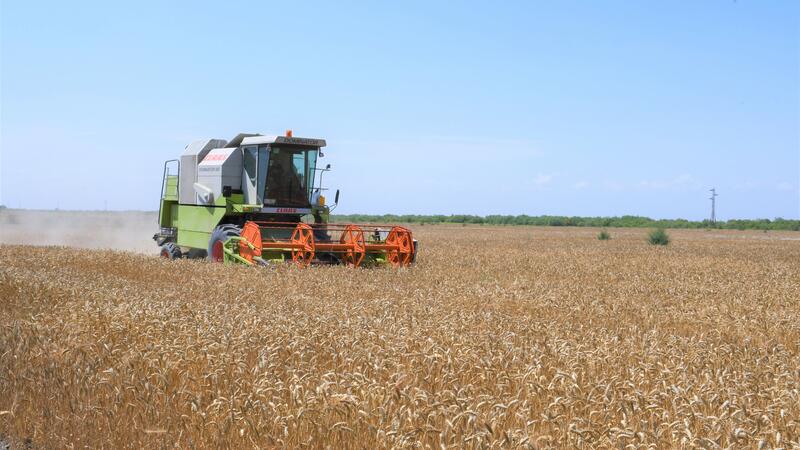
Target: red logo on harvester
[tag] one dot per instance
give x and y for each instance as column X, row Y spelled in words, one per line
column 215, row 157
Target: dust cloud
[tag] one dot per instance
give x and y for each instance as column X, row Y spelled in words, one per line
column 118, row 230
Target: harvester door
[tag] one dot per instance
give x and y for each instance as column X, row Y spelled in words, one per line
column 250, row 175
column 263, row 165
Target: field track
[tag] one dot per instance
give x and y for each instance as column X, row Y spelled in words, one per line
column 500, row 337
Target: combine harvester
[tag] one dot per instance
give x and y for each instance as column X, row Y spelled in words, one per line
column 253, row 200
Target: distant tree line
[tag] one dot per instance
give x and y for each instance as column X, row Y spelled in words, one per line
column 574, row 221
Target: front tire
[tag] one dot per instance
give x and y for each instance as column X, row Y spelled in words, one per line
column 170, row 251
column 196, row 253
column 219, row 236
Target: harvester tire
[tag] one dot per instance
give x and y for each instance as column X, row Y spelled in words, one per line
column 218, row 238
column 196, row 253
column 170, row 251
column 229, row 226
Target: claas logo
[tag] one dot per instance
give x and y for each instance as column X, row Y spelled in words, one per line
column 216, row 157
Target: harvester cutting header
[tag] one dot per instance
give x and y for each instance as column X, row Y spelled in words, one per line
column 257, row 200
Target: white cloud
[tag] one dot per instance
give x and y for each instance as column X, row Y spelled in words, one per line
column 542, row 179
column 583, row 184
column 785, row 186
column 611, row 185
column 747, row 185
column 679, row 181
column 750, row 184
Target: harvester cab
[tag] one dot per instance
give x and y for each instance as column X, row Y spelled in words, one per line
column 258, row 199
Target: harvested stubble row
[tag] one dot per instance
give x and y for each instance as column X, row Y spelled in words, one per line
column 505, row 337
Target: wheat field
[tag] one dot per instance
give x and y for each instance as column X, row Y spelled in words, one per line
column 507, row 337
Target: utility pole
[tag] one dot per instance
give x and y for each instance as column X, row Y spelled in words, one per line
column 713, row 206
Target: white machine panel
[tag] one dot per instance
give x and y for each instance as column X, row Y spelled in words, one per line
column 220, row 167
column 194, row 153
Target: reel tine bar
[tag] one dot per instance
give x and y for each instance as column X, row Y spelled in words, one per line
column 307, row 241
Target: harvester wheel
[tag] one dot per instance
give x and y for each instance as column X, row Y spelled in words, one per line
column 196, row 253
column 219, row 236
column 354, row 237
column 303, row 245
column 229, row 226
column 403, row 253
column 170, row 251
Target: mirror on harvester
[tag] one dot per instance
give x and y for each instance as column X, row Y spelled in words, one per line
column 336, row 199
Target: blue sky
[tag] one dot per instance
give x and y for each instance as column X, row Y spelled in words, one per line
column 576, row 108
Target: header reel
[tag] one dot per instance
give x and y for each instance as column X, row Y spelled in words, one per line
column 305, row 244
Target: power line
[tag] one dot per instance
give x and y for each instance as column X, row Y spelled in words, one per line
column 713, row 199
